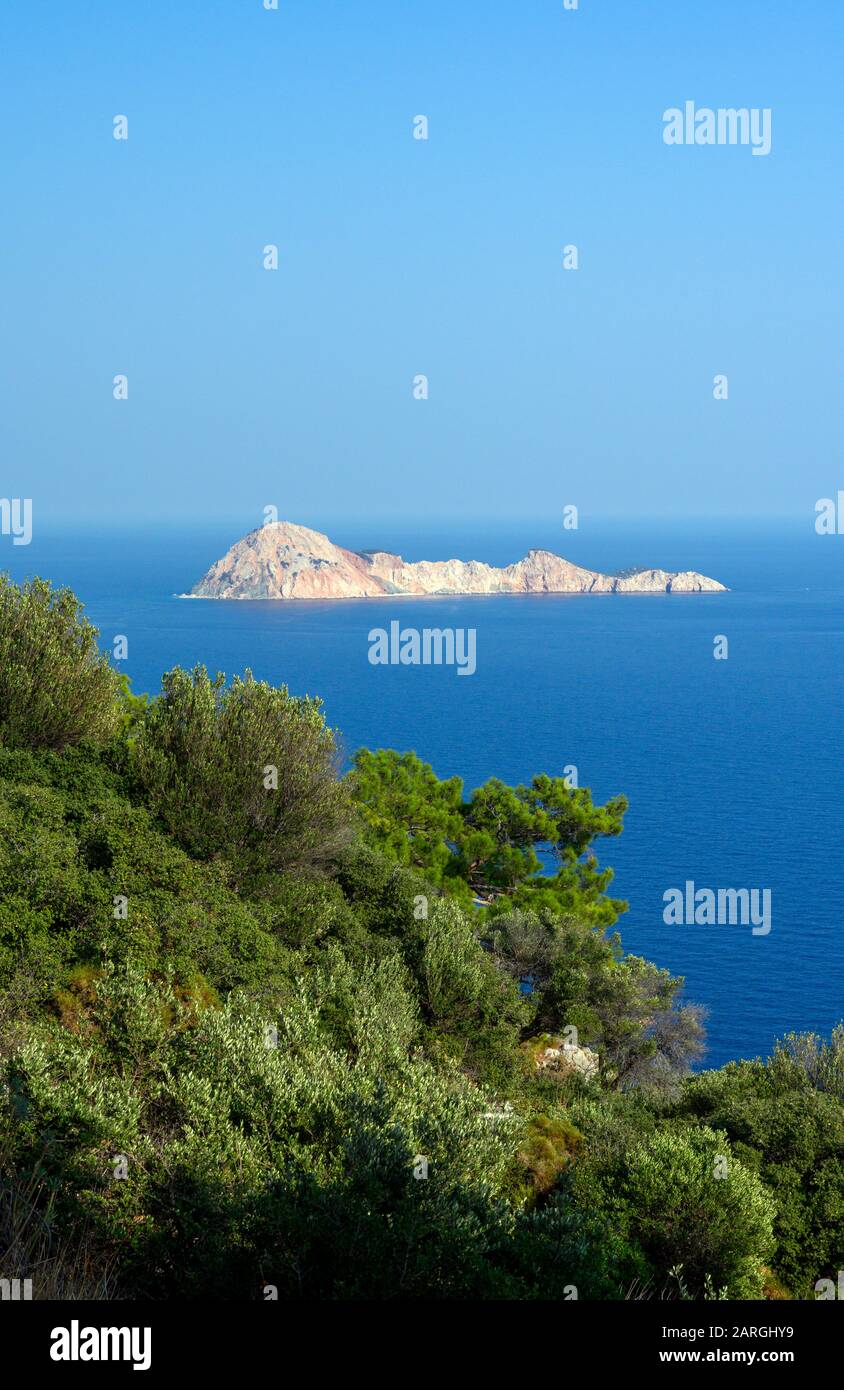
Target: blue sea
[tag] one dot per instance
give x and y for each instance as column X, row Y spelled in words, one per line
column 733, row 768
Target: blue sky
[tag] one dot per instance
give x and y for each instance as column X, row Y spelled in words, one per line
column 397, row 257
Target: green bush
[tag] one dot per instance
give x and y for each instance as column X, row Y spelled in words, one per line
column 245, row 772
column 474, row 1013
column 56, row 686
column 688, row 1203
column 785, row 1121
column 63, row 868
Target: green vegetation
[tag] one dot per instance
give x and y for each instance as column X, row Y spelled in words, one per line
column 206, row 756
column 56, row 687
column 484, row 849
column 263, row 1025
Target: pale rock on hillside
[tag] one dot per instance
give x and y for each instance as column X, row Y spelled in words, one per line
column 282, row 560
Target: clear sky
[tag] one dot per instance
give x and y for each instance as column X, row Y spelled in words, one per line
column 400, row 256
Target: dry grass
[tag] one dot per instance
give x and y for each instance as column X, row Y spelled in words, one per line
column 60, row 1268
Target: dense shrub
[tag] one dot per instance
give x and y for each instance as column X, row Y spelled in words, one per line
column 251, row 1163
column 785, row 1120
column 682, row 1197
column 473, row 1011
column 328, row 1158
column 246, row 772
column 690, row 1203
column 56, row 686
column 85, row 886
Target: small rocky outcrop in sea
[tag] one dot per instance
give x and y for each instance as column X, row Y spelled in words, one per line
column 283, row 561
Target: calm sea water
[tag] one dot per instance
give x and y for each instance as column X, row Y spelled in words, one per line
column 733, row 768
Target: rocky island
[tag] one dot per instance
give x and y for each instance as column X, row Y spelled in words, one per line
column 281, row 560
